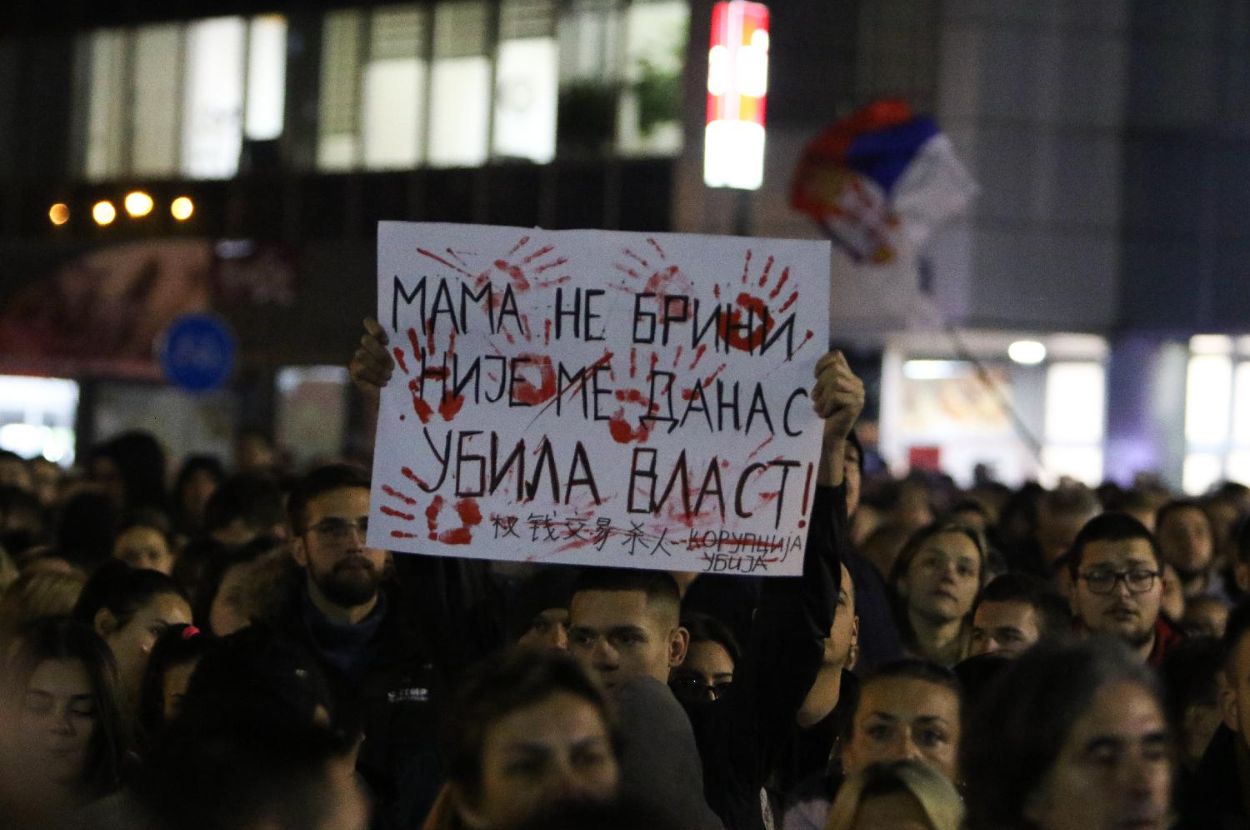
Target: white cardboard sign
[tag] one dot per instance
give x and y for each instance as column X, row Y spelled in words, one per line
column 599, row 398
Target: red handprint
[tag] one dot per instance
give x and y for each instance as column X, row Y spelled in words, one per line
column 468, row 511
column 429, row 372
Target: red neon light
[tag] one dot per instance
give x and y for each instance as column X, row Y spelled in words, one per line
column 738, row 62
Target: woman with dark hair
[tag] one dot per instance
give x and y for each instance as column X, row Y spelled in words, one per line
column 63, row 730
column 174, row 657
column 530, row 728
column 936, row 579
column 131, row 469
column 708, row 669
column 130, row 608
column 197, row 479
column 1069, row 737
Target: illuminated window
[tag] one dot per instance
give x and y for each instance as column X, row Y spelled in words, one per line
column 460, row 86
column 394, row 88
column 1217, row 413
column 37, row 417
column 1074, row 414
column 154, row 118
column 1208, row 397
column 212, row 124
column 590, row 35
column 526, row 81
column 179, row 98
column 105, row 55
column 266, row 78
column 338, row 139
column 650, row 106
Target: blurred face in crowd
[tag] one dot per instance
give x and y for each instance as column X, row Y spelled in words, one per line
column 1057, row 529
column 1114, row 769
column 14, row 472
column 1006, row 628
column 853, row 479
column 46, row 476
column 845, row 632
column 174, row 687
column 705, row 674
column 1205, row 617
column 620, row 635
column 132, row 643
column 196, row 492
column 109, row 479
column 253, row 452
column 943, row 578
column 1185, row 540
column 548, row 629
column 56, row 722
column 144, row 547
column 228, row 611
column 558, row 749
column 904, row 717
column 331, row 549
column 1123, row 598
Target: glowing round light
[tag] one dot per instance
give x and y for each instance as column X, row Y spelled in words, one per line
column 59, row 213
column 1027, row 352
column 103, row 212
column 182, row 208
column 138, row 204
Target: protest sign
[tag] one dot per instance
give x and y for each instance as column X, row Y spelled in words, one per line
column 599, row 398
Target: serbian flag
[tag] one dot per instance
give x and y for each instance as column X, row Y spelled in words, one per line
column 880, row 181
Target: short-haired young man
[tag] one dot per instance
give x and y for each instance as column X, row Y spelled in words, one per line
column 1187, row 543
column 1014, row 612
column 1117, row 586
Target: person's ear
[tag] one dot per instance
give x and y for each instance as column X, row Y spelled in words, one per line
column 852, row 654
column 104, row 623
column 678, row 645
column 1228, row 703
column 1034, row 807
column 299, row 552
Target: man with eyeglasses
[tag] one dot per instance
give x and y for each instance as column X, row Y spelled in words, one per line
column 347, row 612
column 1117, row 587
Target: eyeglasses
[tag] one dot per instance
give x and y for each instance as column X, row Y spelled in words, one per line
column 1104, row 582
column 694, row 689
column 338, row 530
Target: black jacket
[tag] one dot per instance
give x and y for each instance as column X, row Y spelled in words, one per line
column 741, row 736
column 392, row 692
column 1214, row 800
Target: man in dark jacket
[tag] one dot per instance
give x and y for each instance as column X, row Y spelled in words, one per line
column 1219, row 793
column 355, row 622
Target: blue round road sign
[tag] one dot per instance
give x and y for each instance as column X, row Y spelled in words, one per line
column 197, row 353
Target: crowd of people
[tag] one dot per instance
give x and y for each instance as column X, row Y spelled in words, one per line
column 222, row 649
